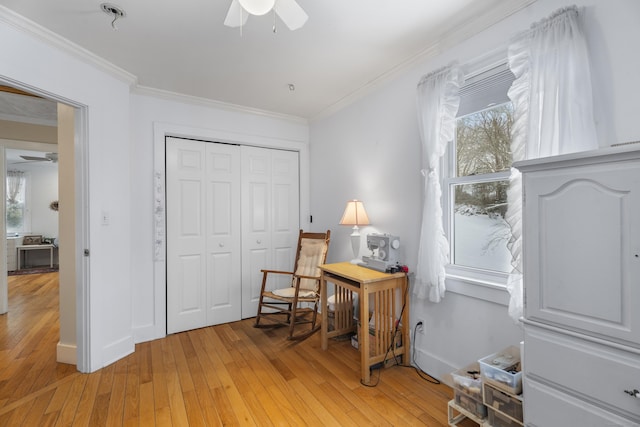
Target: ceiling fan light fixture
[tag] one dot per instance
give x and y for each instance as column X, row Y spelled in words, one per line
column 257, row 7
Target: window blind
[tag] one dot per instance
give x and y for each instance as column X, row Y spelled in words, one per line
column 485, row 89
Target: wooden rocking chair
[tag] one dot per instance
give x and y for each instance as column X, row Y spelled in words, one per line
column 290, row 306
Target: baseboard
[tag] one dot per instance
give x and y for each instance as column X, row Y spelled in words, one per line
column 434, row 366
column 66, row 353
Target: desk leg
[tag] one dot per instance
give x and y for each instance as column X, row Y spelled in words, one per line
column 405, row 322
column 363, row 336
column 324, row 326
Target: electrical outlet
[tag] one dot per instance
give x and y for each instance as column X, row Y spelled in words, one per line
column 420, row 326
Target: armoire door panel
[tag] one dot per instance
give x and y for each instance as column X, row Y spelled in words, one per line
column 565, row 214
column 581, row 261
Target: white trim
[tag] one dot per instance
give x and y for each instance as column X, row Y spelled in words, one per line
column 479, row 289
column 67, row 354
column 31, row 28
column 205, row 102
column 86, row 358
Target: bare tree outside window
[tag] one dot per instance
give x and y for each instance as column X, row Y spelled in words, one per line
column 482, row 162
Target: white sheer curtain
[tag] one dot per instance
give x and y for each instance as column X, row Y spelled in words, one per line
column 438, row 102
column 553, row 111
column 15, row 182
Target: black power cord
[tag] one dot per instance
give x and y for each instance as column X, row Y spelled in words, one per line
column 421, row 373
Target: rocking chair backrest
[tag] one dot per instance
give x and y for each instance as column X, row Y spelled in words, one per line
column 311, row 253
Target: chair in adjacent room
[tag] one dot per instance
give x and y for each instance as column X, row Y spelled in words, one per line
column 296, row 304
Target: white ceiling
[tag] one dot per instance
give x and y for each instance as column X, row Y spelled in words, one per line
column 344, row 48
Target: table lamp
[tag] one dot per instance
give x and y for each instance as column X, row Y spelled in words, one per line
column 354, row 214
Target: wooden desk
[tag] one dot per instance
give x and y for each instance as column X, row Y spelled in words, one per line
column 24, row 248
column 388, row 293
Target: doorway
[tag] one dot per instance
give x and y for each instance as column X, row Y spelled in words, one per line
column 70, row 137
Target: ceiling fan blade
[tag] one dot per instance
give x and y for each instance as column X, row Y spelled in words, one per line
column 236, row 16
column 35, row 159
column 291, row 13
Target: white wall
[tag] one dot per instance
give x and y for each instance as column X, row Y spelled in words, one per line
column 152, row 117
column 34, row 64
column 371, row 150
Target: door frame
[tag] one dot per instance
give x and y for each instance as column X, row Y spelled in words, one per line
column 81, row 195
column 163, row 130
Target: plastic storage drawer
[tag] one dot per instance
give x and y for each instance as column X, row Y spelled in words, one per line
column 503, row 370
column 503, row 402
column 468, row 381
column 476, row 407
column 497, row 419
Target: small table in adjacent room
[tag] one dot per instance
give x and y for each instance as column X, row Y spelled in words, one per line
column 383, row 338
column 25, row 248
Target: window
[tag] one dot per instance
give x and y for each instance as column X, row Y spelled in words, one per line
column 476, row 177
column 16, row 201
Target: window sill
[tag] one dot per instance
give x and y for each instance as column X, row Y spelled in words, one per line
column 478, row 288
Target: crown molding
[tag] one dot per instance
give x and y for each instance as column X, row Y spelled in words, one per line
column 31, row 28
column 460, row 33
column 206, row 102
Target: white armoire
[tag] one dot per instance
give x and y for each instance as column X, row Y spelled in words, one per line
column 231, row 211
column 581, row 257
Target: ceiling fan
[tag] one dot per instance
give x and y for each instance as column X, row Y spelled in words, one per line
column 49, row 157
column 288, row 10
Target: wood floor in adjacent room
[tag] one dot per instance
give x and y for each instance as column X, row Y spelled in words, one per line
column 230, row 374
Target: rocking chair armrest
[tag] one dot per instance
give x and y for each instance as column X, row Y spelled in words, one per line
column 277, row 272
column 306, row 277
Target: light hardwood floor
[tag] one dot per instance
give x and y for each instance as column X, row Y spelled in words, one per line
column 231, row 374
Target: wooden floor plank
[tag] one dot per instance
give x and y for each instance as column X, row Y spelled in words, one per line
column 231, row 374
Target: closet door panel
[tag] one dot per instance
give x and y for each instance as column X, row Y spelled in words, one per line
column 256, row 224
column 270, row 206
column 285, row 202
column 224, row 276
column 186, row 239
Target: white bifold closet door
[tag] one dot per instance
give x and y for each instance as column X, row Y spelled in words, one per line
column 231, row 211
column 203, row 234
column 270, row 220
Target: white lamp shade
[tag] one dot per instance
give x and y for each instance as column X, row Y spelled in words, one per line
column 354, row 214
column 257, row 7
